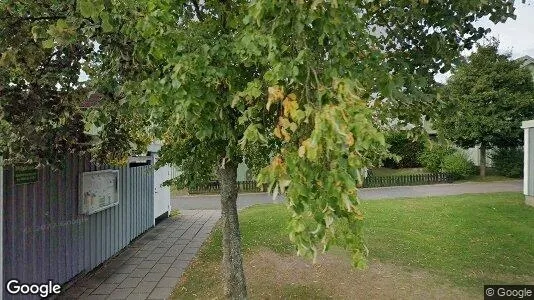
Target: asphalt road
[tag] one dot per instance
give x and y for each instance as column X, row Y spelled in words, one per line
column 244, row 200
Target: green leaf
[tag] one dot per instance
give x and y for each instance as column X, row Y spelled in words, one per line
column 49, row 43
column 153, row 100
column 246, row 20
column 86, row 8
column 106, row 25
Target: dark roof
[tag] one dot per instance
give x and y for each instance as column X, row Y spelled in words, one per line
column 525, row 60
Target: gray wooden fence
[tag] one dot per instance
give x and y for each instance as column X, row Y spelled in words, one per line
column 45, row 237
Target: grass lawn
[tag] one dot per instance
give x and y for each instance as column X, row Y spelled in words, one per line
column 176, row 192
column 428, row 247
column 487, row 178
column 491, row 175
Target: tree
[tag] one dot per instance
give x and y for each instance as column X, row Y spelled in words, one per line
column 38, row 119
column 41, row 94
column 296, row 87
column 484, row 102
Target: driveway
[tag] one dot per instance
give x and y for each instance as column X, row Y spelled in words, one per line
column 211, row 202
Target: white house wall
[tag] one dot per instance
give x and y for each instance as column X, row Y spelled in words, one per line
column 473, row 154
column 530, row 163
column 528, row 179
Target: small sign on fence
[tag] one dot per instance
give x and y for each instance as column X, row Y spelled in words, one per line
column 24, row 174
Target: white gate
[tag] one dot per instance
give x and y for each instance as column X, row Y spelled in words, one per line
column 162, row 194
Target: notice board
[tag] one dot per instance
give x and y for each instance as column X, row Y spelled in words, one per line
column 24, row 174
column 98, row 191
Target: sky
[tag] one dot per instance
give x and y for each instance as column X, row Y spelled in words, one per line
column 515, row 36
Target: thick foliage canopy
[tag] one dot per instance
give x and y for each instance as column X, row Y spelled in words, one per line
column 39, row 86
column 302, row 84
column 44, row 45
column 485, row 101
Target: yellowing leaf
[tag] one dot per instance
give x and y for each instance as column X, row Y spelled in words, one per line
column 277, row 161
column 304, row 147
column 290, row 107
column 311, row 149
column 283, row 184
column 302, row 151
column 274, row 94
column 269, row 102
column 284, row 122
column 350, row 139
column 285, row 134
column 292, row 97
column 277, row 132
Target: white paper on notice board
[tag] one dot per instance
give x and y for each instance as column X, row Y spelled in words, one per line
column 99, row 191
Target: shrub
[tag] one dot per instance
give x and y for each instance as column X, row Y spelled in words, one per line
column 508, row 162
column 458, row 165
column 407, row 149
column 433, row 155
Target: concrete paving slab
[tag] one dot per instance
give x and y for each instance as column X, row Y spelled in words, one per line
column 120, row 293
column 160, row 293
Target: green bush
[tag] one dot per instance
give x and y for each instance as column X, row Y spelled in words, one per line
column 458, row 165
column 433, row 155
column 405, row 148
column 508, row 162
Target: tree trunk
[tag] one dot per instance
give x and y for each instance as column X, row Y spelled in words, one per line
column 232, row 263
column 482, row 160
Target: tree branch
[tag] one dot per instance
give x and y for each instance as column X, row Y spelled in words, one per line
column 33, row 19
column 42, row 18
column 198, row 11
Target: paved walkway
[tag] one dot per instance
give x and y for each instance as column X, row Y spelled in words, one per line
column 151, row 266
column 213, row 201
column 441, row 189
